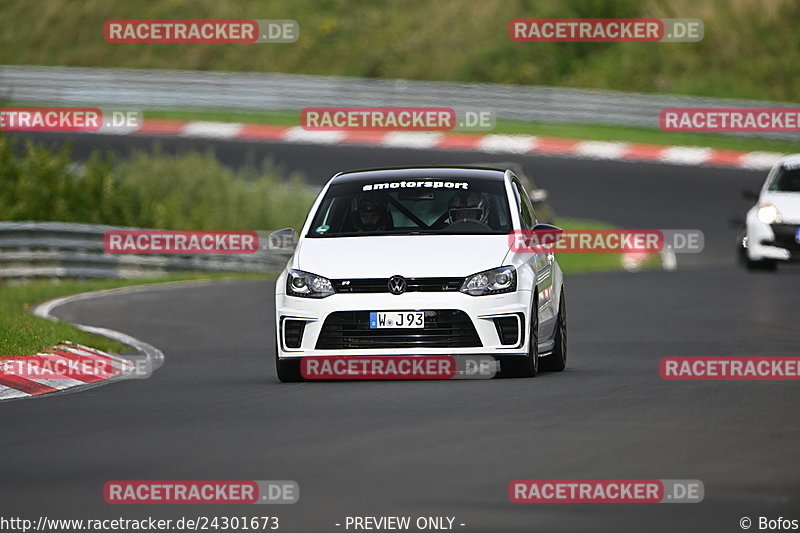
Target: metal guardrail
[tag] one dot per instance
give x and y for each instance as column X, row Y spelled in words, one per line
column 168, row 89
column 67, row 250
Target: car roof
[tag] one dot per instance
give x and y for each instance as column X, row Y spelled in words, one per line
column 514, row 167
column 398, row 173
column 793, row 159
column 519, row 170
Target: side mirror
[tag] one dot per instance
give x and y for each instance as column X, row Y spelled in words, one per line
column 749, row 194
column 548, row 233
column 540, row 239
column 283, row 239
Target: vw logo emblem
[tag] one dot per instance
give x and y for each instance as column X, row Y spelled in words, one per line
column 397, row 285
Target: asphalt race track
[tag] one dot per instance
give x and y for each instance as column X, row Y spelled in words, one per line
column 215, row 409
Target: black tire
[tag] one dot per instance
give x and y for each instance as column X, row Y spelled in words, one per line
column 764, row 265
column 528, row 366
column 288, row 370
column 557, row 361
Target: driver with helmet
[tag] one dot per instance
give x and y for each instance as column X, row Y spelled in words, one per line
column 370, row 212
column 469, row 207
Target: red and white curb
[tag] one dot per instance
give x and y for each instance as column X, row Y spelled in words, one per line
column 21, row 377
column 635, row 261
column 149, row 358
column 491, row 143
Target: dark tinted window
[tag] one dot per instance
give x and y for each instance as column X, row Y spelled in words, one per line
column 787, row 180
column 413, row 206
column 525, row 209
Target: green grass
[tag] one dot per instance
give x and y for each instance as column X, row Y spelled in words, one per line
column 21, row 333
column 576, row 263
column 598, row 132
column 592, row 132
column 277, row 118
column 751, row 48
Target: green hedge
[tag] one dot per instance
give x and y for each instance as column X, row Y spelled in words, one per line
column 751, row 48
column 192, row 191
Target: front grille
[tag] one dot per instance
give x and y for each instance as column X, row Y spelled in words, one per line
column 344, row 330
column 507, row 329
column 785, row 236
column 382, row 284
column 293, row 332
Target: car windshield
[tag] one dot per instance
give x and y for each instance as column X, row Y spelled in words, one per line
column 787, row 180
column 413, row 206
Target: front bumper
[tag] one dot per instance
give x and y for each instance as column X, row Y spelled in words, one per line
column 481, row 313
column 775, row 242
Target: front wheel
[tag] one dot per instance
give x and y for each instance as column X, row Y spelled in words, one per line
column 557, row 361
column 528, row 366
column 764, row 265
column 288, row 369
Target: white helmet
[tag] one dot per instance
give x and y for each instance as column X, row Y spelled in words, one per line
column 469, row 206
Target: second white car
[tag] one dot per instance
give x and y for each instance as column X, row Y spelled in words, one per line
column 772, row 232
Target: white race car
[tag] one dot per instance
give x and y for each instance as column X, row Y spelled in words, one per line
column 417, row 261
column 772, row 233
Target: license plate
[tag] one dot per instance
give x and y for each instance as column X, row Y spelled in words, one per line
column 797, row 235
column 406, row 319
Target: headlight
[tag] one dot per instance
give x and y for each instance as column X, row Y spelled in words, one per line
column 768, row 214
column 299, row 283
column 494, row 281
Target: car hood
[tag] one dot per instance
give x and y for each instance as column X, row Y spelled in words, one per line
column 787, row 203
column 408, row 256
